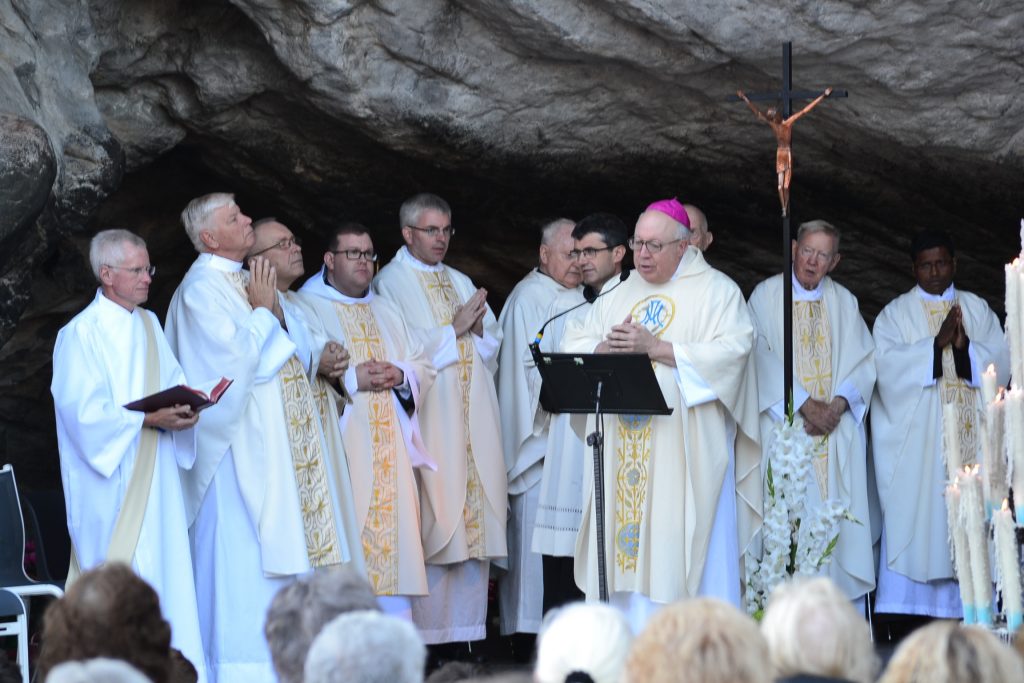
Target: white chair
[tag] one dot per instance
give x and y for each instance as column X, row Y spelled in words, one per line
column 11, row 605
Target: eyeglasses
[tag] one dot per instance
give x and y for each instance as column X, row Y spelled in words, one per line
column 283, row 245
column 433, row 231
column 653, row 246
column 808, row 253
column 355, row 254
column 589, row 252
column 137, row 272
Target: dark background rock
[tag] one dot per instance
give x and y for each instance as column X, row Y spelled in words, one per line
column 117, row 112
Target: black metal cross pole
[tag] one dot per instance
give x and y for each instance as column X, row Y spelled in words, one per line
column 786, row 96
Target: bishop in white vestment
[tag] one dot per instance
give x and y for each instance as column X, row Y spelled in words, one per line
column 99, row 365
column 249, row 536
column 931, row 345
column 834, row 375
column 683, row 491
column 380, row 428
column 463, row 504
column 524, row 423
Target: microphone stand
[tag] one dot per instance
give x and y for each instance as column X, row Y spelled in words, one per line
column 596, row 440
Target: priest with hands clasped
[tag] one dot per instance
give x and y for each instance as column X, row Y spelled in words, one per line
column 683, row 491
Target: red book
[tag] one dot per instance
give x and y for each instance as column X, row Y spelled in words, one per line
column 181, row 395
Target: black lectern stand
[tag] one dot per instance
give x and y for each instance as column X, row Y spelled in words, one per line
column 599, row 383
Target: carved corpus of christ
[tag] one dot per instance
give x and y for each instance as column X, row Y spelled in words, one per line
column 783, row 129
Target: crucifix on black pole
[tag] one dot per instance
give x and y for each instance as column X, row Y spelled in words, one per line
column 782, row 125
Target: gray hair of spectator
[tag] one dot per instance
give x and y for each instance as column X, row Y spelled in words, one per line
column 197, row 214
column 700, row 640
column 107, row 248
column 300, row 610
column 366, row 647
column 811, row 227
column 804, row 611
column 412, row 207
column 590, row 637
column 99, row 670
column 550, row 229
column 946, row 652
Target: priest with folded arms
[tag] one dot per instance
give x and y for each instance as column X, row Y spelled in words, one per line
column 387, row 375
column 119, row 467
column 932, row 344
column 683, row 491
column 834, row 375
column 463, row 504
column 524, row 423
column 250, row 536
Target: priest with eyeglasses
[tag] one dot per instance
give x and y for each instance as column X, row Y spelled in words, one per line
column 683, row 491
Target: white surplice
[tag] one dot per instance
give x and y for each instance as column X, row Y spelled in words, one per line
column 524, row 433
column 248, row 535
column 915, row 576
column 852, row 376
column 457, row 552
column 99, row 364
column 683, row 491
column 397, row 567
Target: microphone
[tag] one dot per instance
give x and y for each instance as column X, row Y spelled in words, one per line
column 589, row 296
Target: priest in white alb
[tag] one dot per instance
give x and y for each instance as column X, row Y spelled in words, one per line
column 120, row 467
column 682, row 491
column 253, row 530
column 932, row 344
column 463, row 504
column 599, row 247
column 524, row 423
column 387, row 375
column 833, row 377
column 323, row 360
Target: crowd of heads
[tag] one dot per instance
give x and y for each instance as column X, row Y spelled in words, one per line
column 327, row 628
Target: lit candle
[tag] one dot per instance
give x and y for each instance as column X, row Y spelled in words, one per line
column 951, row 440
column 972, row 517
column 1008, row 562
column 997, row 484
column 988, row 384
column 961, row 552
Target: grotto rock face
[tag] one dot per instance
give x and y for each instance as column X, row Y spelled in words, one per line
column 116, row 112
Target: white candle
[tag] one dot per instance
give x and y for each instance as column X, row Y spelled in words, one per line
column 988, row 384
column 1014, row 438
column 972, row 517
column 997, row 482
column 1022, row 237
column 951, row 440
column 1013, row 316
column 1007, row 559
column 961, row 552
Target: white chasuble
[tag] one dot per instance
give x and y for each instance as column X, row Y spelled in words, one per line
column 249, row 532
column 833, row 356
column 99, row 362
column 382, row 440
column 524, row 431
column 906, row 436
column 664, row 475
column 463, row 503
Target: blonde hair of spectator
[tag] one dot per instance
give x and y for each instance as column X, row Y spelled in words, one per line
column 700, row 640
column 812, row 628
column 590, row 637
column 946, row 652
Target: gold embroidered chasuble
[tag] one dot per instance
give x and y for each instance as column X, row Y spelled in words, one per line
column 464, row 502
column 814, row 370
column 953, row 389
column 663, row 474
column 306, row 443
column 444, row 302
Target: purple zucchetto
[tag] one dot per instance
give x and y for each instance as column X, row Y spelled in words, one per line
column 671, row 208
